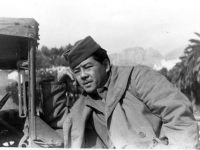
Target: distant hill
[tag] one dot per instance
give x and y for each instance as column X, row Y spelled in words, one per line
column 172, row 55
column 137, row 55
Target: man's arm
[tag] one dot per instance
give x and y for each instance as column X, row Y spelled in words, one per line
column 168, row 103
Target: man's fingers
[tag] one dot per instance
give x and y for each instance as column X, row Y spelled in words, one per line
column 70, row 75
column 64, row 73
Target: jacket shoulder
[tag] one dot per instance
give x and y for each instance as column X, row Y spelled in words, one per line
column 145, row 72
column 137, row 69
column 141, row 68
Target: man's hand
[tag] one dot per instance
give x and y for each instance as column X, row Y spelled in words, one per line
column 64, row 74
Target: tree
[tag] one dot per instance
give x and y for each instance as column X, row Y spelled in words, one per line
column 45, row 51
column 69, row 46
column 188, row 72
column 47, row 58
column 40, row 60
column 193, row 61
column 164, row 72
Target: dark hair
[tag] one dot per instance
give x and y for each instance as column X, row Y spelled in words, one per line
column 100, row 55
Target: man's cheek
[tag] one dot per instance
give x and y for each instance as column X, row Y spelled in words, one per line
column 79, row 82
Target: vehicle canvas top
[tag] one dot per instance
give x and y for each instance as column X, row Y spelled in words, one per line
column 15, row 34
column 23, row 27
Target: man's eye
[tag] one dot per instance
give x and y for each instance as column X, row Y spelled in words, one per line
column 88, row 67
column 76, row 71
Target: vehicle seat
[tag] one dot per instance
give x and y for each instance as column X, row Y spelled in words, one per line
column 57, row 98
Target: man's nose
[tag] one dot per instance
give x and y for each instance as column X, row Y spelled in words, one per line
column 83, row 74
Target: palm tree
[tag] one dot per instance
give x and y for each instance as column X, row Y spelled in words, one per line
column 189, row 79
column 193, row 60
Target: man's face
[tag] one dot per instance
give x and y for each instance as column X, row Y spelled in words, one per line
column 91, row 75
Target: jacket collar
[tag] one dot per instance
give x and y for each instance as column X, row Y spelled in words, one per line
column 118, row 83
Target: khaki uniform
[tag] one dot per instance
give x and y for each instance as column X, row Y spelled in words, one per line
column 142, row 110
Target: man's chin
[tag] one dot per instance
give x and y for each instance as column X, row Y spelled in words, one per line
column 89, row 90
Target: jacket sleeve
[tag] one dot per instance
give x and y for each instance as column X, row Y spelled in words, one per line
column 167, row 102
column 74, row 125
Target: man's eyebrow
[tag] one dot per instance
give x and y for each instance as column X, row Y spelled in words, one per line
column 89, row 63
column 76, row 68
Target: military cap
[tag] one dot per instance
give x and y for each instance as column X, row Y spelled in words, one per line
column 80, row 51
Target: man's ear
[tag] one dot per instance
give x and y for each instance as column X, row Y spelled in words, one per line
column 106, row 63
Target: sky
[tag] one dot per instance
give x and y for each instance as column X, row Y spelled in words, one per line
column 164, row 25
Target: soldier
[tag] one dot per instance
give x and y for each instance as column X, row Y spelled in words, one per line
column 124, row 107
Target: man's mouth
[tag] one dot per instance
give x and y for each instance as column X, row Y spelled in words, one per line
column 87, row 83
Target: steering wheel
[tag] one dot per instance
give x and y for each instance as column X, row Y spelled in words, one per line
column 4, row 99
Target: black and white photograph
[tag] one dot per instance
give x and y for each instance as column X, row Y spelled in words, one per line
column 100, row 74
